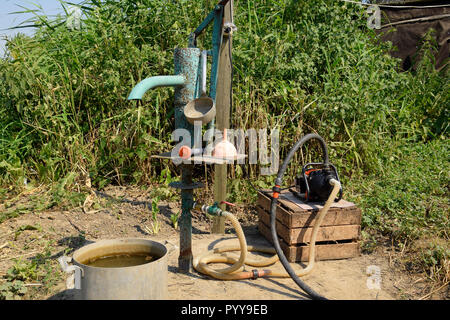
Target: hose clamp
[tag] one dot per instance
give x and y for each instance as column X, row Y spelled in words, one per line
column 229, row 28
column 276, row 191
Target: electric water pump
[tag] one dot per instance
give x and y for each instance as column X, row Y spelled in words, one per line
column 313, row 183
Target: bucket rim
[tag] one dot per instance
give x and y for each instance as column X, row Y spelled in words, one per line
column 89, row 246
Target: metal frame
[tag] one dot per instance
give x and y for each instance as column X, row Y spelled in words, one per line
column 188, row 86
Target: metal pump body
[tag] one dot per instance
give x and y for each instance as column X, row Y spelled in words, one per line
column 188, row 81
column 313, row 183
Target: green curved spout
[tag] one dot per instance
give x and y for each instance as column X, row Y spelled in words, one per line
column 159, row 81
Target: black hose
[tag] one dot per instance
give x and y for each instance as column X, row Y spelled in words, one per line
column 273, row 213
column 297, row 146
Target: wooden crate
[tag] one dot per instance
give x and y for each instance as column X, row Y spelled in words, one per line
column 337, row 237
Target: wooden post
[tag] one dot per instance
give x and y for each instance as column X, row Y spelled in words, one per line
column 223, row 106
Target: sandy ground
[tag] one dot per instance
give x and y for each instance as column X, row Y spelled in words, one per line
column 65, row 231
column 338, row 279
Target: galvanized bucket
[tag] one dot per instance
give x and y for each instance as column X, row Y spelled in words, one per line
column 142, row 282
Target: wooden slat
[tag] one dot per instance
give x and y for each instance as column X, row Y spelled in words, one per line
column 298, row 203
column 283, row 215
column 223, row 110
column 323, row 251
column 303, row 235
column 295, row 222
column 301, row 218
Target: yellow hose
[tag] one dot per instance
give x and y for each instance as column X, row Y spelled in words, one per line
column 235, row 272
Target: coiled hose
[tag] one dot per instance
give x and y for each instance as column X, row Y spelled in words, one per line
column 236, row 272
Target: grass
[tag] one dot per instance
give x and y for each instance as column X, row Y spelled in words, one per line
column 302, row 66
column 410, row 199
column 63, row 195
column 25, row 276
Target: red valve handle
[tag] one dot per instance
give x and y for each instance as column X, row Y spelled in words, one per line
column 228, row 203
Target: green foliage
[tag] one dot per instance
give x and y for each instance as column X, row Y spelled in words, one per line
column 409, row 200
column 319, row 67
column 155, row 224
column 174, row 219
column 26, row 227
column 23, row 270
column 163, row 191
column 60, row 194
column 300, row 65
column 434, row 259
column 12, row 290
column 436, row 255
column 38, row 269
column 240, row 189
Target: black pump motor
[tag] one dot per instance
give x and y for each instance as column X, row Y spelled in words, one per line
column 313, row 183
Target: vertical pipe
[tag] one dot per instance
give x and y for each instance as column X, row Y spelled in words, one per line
column 186, row 63
column 185, row 222
column 204, row 71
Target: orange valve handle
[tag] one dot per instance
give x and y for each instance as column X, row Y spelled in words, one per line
column 276, row 191
column 185, row 152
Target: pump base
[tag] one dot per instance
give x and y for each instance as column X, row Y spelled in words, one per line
column 338, row 236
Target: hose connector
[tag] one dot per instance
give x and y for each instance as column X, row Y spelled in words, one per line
column 212, row 210
column 335, row 183
column 276, row 191
column 260, row 273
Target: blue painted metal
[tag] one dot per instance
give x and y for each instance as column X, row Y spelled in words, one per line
column 187, row 62
column 188, row 86
column 215, row 16
column 159, row 81
column 185, row 81
column 211, row 16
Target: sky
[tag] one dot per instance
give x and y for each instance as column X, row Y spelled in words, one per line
column 7, row 20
